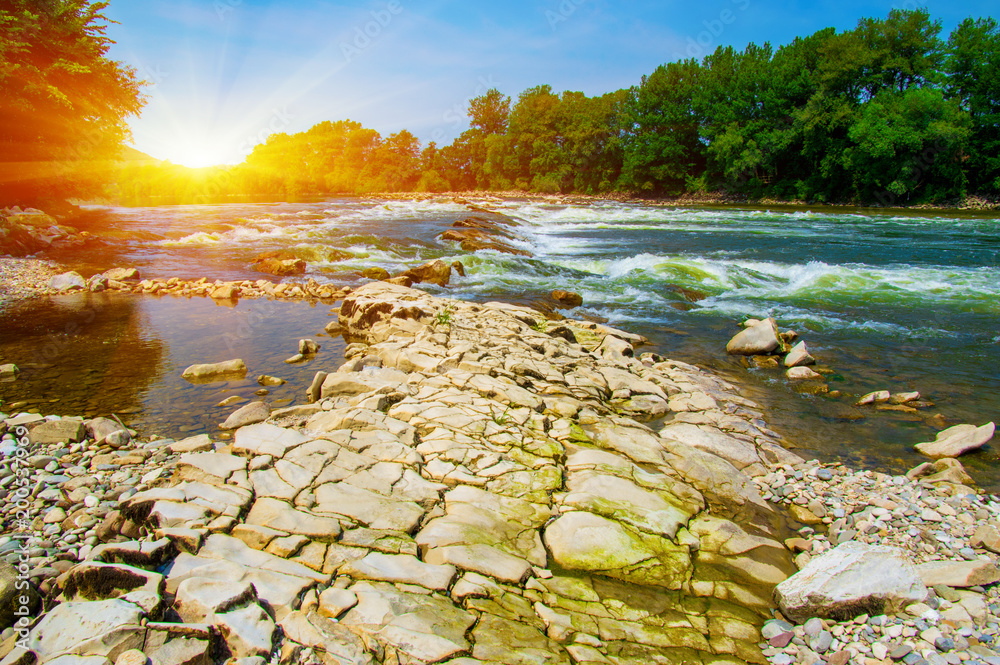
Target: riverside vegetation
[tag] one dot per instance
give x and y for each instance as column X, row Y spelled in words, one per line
column 473, row 487
column 889, row 112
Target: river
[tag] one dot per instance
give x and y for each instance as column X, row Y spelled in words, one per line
column 884, row 300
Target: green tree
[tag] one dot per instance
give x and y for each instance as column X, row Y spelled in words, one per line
column 663, row 152
column 973, row 68
column 63, row 104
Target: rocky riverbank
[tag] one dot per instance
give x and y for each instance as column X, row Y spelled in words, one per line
column 24, row 279
column 474, row 484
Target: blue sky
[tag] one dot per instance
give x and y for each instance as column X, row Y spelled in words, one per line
column 226, row 73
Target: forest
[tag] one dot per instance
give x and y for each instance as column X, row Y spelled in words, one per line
column 888, row 113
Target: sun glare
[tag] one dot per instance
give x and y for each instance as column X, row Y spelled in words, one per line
column 196, row 155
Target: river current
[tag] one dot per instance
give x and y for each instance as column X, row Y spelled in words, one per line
column 884, row 300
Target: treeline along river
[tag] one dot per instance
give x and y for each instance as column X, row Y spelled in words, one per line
column 885, row 300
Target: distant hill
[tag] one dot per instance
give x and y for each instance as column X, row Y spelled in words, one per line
column 130, row 154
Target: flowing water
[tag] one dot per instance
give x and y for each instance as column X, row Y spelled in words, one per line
column 884, row 300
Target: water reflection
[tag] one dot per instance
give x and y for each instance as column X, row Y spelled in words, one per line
column 120, row 355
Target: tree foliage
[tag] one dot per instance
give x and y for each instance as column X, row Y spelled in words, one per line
column 886, row 112
column 64, row 104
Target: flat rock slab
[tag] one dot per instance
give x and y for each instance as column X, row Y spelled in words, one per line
column 428, row 628
column 213, row 464
column 849, row 580
column 64, row 430
column 400, row 568
column 281, row 516
column 584, row 541
column 266, row 439
column 482, row 559
column 367, row 507
column 958, row 440
column 93, row 628
column 959, row 573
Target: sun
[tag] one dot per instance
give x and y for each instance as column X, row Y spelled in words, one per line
column 197, row 154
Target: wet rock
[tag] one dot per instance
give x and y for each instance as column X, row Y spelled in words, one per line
column 224, row 292
column 9, row 372
column 308, row 347
column 254, row 412
column 267, row 380
column 852, row 579
column 803, row 374
column 220, row 371
column 434, row 272
column 877, row 397
column 280, row 262
column 760, row 338
column 567, row 299
column 958, row 440
column 375, row 272
column 798, row 356
column 122, row 275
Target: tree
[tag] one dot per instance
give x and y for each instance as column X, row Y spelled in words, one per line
column 63, row 104
column 662, row 147
column 973, row 67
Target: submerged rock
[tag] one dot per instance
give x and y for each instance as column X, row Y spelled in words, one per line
column 220, row 371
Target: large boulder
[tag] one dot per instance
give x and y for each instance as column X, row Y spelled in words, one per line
column 760, row 338
column 374, row 310
column 957, row 440
column 281, row 263
column 222, row 371
column 852, row 579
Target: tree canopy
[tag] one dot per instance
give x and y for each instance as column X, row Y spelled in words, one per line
column 63, row 104
column 887, row 112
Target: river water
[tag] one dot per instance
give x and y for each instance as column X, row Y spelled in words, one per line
column 883, row 300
